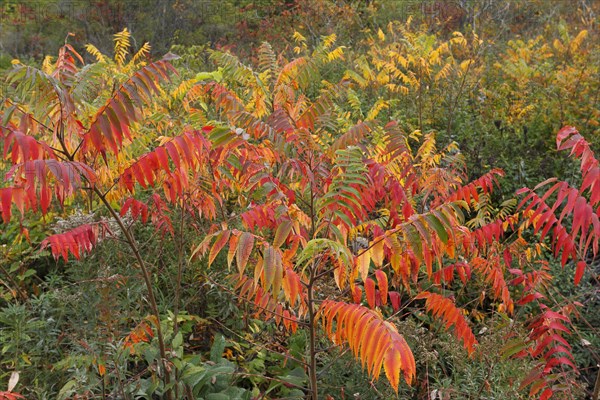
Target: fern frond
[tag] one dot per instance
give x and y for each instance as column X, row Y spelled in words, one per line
column 352, row 137
column 342, row 198
column 267, row 59
column 94, row 52
column 122, row 46
column 142, row 53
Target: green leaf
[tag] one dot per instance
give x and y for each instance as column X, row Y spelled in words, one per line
column 177, row 340
column 437, row 227
column 217, row 396
column 67, row 390
column 512, row 347
column 216, row 351
column 194, row 375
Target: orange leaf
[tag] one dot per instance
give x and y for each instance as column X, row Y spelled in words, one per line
column 376, row 343
column 233, row 242
column 445, row 309
column 370, row 292
column 356, row 294
column 222, row 238
column 382, row 283
column 244, row 248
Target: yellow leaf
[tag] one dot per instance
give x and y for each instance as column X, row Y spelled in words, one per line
column 362, row 264
column 283, row 231
column 339, row 275
column 244, row 248
column 377, row 253
column 232, row 249
column 269, row 267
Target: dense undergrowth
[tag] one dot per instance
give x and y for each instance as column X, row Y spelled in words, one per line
column 296, row 218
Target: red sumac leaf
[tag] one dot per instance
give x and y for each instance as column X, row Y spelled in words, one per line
column 395, row 300
column 370, row 292
column 356, row 294
column 579, row 270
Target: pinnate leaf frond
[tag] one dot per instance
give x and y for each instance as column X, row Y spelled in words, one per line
column 110, row 125
column 77, row 241
column 374, row 341
column 445, row 309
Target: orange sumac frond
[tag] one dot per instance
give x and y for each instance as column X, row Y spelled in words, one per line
column 446, row 274
column 352, row 137
column 491, row 270
column 225, row 100
column 451, row 315
column 375, row 342
column 265, row 304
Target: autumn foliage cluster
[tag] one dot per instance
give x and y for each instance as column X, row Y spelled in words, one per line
column 299, row 196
